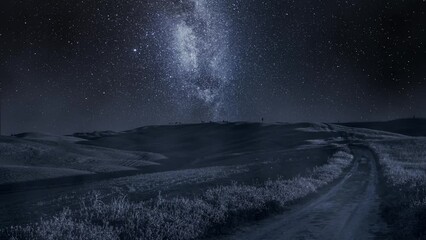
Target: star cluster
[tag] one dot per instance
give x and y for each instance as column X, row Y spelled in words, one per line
column 200, row 59
column 69, row 66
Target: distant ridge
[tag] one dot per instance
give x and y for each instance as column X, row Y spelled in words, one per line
column 407, row 126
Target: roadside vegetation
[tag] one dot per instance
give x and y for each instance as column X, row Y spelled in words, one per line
column 403, row 165
column 210, row 213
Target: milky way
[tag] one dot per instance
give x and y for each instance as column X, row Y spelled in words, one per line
column 68, row 66
column 200, row 44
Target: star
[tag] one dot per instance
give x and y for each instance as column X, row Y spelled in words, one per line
column 200, row 56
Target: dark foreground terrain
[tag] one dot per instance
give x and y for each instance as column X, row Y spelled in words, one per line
column 348, row 210
column 230, row 181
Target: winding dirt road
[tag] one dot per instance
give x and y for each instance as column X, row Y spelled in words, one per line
column 349, row 210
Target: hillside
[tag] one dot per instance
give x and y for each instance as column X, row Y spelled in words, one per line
column 408, row 126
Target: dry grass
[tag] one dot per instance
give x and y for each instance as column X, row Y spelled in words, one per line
column 403, row 164
column 180, row 218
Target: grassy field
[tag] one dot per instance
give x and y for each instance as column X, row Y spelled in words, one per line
column 403, row 164
column 196, row 181
column 188, row 181
column 28, row 159
column 181, row 217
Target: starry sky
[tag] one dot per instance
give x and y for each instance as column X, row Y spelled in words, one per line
column 70, row 66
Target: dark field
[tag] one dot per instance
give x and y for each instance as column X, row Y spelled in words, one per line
column 211, row 180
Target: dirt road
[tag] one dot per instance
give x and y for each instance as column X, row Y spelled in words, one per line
column 349, row 210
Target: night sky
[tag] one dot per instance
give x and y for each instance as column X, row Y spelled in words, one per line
column 68, row 66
